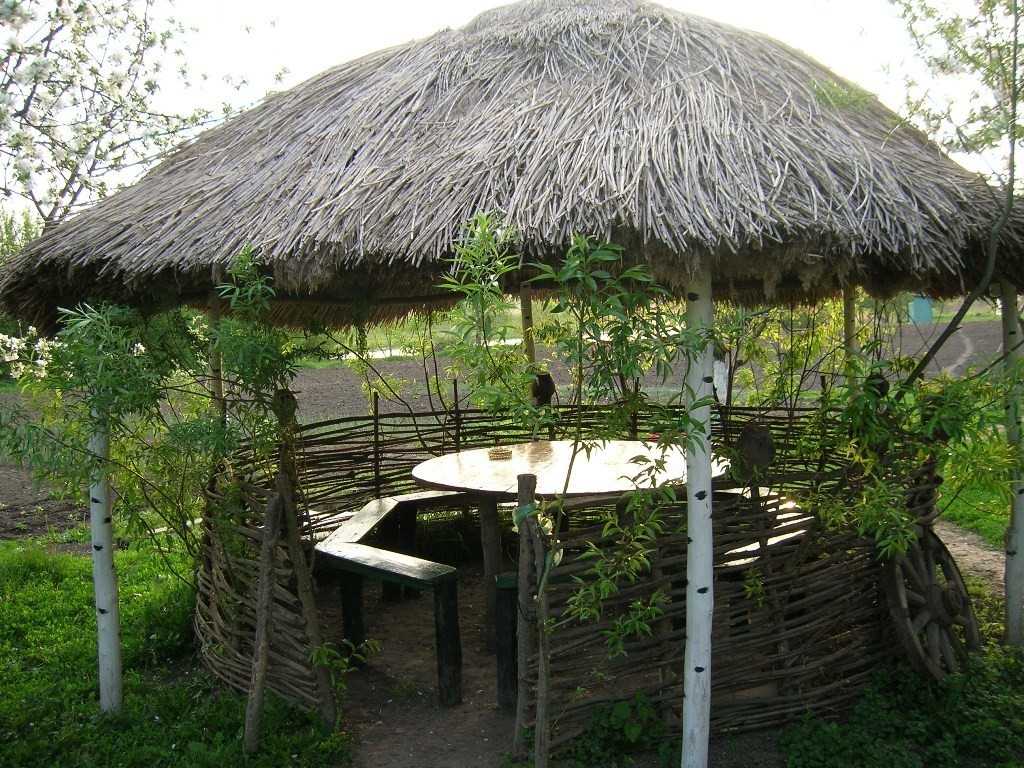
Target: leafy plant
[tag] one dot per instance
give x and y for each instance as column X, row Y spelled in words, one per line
column 617, row 731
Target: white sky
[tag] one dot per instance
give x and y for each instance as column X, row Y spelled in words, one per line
column 862, row 40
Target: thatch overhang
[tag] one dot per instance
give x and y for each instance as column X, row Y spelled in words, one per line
column 684, row 139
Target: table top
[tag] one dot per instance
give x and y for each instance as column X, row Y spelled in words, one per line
column 609, row 469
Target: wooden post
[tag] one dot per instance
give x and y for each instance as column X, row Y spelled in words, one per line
column 408, row 519
column 353, row 625
column 526, row 615
column 490, row 543
column 505, row 647
column 104, row 578
column 391, row 538
column 216, row 362
column 458, row 416
column 284, row 406
column 264, row 602
column 376, row 444
column 1014, row 568
column 850, row 345
column 526, row 307
column 699, row 549
column 447, row 642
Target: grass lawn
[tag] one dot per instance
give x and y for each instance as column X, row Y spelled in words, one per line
column 174, row 713
column 986, row 514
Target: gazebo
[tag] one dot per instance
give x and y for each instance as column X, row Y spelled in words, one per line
column 730, row 163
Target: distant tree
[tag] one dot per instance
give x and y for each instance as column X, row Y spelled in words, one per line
column 15, row 232
column 78, row 87
column 975, row 44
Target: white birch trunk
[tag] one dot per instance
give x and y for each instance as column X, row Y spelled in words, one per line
column 1014, row 573
column 699, row 573
column 108, row 631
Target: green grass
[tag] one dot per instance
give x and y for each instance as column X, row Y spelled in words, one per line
column 979, row 312
column 174, row 713
column 987, row 514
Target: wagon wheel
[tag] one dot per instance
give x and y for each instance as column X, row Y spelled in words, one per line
column 930, row 607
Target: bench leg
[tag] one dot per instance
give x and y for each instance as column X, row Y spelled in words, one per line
column 407, row 517
column 352, row 621
column 390, row 539
column 490, row 541
column 506, row 620
column 448, row 642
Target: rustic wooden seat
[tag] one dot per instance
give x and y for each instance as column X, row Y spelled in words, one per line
column 395, row 519
column 359, row 561
column 379, row 511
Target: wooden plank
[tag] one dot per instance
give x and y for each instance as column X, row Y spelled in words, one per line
column 357, row 527
column 383, row 565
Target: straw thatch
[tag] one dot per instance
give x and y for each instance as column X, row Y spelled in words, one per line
column 683, row 138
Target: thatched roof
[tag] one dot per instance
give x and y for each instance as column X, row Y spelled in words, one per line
column 681, row 137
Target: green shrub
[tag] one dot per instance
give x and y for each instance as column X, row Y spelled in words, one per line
column 971, row 720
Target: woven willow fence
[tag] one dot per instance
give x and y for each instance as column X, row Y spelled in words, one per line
column 799, row 624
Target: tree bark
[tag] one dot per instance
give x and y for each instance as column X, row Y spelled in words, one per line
column 1014, row 573
column 104, row 578
column 699, row 564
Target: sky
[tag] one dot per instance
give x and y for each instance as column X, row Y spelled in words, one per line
column 859, row 39
column 862, row 40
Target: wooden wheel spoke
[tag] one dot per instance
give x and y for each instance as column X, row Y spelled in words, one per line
column 921, row 620
column 914, row 598
column 912, row 573
column 957, row 644
column 920, row 566
column 931, row 607
column 929, row 564
column 934, row 643
column 949, row 654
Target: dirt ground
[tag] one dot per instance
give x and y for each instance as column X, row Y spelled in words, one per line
column 390, row 705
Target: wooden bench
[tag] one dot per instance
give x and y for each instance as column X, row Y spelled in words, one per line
column 358, row 561
column 395, row 518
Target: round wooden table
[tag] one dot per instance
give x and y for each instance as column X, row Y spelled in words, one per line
column 609, row 469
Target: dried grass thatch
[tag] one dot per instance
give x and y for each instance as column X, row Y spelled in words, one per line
column 683, row 138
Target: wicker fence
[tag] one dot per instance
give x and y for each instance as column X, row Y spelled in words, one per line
column 799, row 624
